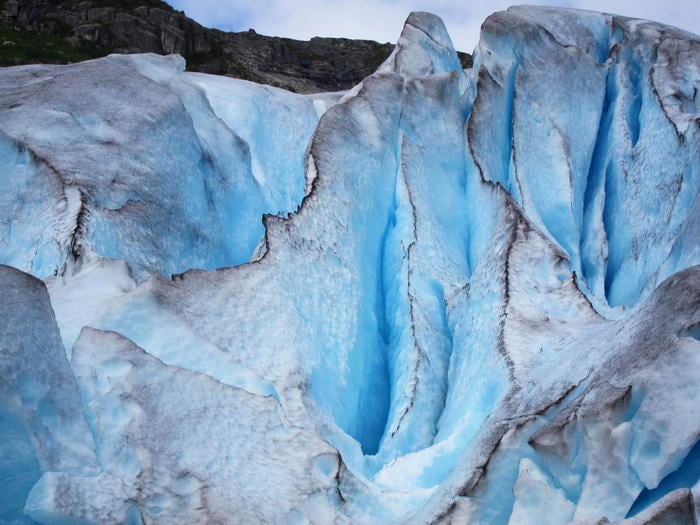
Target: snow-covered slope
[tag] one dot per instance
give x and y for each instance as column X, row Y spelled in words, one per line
column 484, row 308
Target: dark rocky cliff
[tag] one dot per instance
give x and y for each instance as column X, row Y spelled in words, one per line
column 56, row 31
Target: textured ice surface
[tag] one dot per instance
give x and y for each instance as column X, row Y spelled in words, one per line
column 485, row 309
column 170, row 472
column 130, row 158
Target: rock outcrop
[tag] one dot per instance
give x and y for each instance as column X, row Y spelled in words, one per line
column 99, row 27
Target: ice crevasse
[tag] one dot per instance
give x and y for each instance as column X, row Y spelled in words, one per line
column 444, row 296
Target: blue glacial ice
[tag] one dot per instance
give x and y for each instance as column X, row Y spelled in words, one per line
column 168, row 177
column 444, row 296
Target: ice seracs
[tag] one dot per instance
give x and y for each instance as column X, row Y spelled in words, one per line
column 479, row 303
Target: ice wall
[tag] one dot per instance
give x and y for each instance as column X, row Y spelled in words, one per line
column 42, row 426
column 598, row 157
column 485, row 309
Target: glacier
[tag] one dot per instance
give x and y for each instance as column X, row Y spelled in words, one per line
column 444, row 296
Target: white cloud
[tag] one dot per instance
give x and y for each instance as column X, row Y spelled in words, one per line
column 382, row 20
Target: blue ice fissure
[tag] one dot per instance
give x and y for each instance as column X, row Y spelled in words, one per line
column 618, row 239
column 634, row 107
column 596, row 173
column 439, row 291
column 370, row 442
column 507, row 153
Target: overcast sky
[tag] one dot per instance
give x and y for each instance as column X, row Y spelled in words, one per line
column 382, row 19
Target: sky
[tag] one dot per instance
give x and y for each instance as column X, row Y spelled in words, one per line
column 382, row 20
